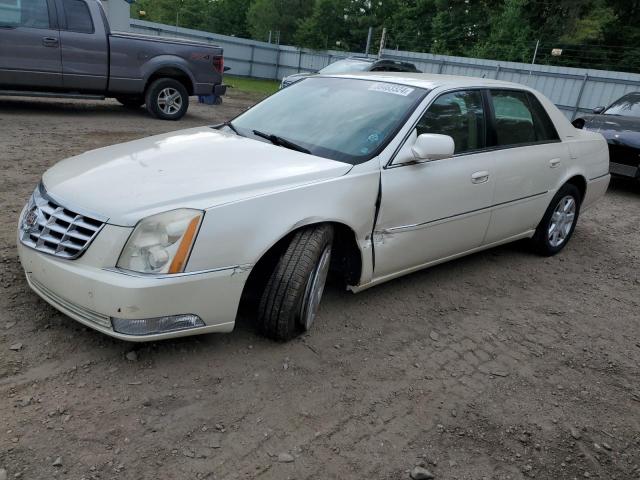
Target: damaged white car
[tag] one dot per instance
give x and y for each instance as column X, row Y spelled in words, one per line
column 370, row 176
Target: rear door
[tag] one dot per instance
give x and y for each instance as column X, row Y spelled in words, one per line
column 29, row 45
column 529, row 158
column 85, row 46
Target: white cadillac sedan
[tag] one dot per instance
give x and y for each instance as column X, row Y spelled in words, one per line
column 371, row 176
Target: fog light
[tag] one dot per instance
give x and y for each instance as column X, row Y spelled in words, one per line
column 152, row 326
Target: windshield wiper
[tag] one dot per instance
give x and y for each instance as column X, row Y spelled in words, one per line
column 229, row 125
column 281, row 142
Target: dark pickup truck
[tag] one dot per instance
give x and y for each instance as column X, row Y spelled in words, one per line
column 65, row 48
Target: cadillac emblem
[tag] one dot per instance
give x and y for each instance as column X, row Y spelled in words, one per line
column 30, row 219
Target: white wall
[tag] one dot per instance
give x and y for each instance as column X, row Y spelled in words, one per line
column 118, row 14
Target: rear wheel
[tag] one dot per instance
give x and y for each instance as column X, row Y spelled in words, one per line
column 167, row 99
column 559, row 221
column 131, row 102
column 291, row 298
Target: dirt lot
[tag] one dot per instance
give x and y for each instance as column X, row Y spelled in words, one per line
column 502, row 365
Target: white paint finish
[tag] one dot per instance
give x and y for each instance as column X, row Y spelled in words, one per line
column 254, row 194
column 194, row 168
column 526, row 181
column 440, row 207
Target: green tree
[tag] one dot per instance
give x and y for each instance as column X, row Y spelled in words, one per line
column 266, row 16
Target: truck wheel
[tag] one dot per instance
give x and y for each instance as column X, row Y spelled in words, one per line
column 131, row 102
column 559, row 221
column 290, row 300
column 167, row 99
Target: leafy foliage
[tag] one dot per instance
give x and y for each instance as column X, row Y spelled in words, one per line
column 591, row 33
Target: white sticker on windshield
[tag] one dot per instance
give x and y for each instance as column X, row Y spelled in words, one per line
column 391, row 88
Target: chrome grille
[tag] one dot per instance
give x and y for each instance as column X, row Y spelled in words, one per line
column 51, row 228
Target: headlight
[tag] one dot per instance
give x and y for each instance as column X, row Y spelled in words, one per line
column 161, row 243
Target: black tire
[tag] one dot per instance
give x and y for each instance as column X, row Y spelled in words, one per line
column 153, row 99
column 131, row 102
column 542, row 242
column 282, row 302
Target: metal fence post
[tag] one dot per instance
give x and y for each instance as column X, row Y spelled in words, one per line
column 584, row 84
column 253, row 51
column 277, row 63
column 442, row 65
column 299, row 59
column 497, row 72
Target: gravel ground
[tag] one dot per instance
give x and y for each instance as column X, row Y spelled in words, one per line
column 501, row 365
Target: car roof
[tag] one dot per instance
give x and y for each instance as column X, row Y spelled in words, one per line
column 430, row 81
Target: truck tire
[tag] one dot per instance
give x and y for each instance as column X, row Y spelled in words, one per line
column 131, row 101
column 291, row 297
column 559, row 221
column 167, row 99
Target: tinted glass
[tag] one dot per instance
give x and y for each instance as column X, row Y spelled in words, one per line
column 459, row 115
column 24, row 13
column 513, row 119
column 337, row 118
column 78, row 16
column 545, row 130
column 629, row 105
column 345, row 66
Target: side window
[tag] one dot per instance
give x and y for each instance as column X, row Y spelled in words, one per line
column 78, row 16
column 513, row 118
column 459, row 115
column 24, row 13
column 545, row 130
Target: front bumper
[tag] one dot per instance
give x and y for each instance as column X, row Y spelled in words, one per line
column 94, row 295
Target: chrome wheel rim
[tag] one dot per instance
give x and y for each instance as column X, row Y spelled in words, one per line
column 315, row 288
column 169, row 101
column 561, row 221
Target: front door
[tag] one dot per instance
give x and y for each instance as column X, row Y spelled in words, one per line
column 29, row 45
column 433, row 210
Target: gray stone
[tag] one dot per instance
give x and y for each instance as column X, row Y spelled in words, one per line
column 575, row 433
column 420, row 473
column 132, row 356
column 285, row 458
column 434, row 336
column 15, row 347
column 3, row 474
column 58, row 462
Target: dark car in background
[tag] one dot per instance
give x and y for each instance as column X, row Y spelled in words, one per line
column 619, row 123
column 65, row 48
column 355, row 64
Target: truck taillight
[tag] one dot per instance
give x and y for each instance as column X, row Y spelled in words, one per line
column 218, row 63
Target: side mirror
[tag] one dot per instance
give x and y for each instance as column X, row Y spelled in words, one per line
column 226, row 69
column 599, row 110
column 432, row 146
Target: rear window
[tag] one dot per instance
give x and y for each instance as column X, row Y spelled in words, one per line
column 24, row 13
column 78, row 16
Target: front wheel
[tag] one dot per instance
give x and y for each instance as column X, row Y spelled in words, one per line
column 167, row 99
column 291, row 298
column 559, row 221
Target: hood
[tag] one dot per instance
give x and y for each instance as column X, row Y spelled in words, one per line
column 617, row 129
column 196, row 168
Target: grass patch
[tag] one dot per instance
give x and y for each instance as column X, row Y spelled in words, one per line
column 252, row 85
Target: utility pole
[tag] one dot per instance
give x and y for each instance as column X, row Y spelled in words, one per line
column 366, row 52
column 383, row 39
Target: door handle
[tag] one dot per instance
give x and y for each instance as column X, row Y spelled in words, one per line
column 554, row 162
column 50, row 41
column 480, row 177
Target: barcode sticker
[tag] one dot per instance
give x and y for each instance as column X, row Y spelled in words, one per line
column 391, row 88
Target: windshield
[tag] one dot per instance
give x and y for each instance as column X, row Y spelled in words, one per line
column 342, row 119
column 629, row 105
column 345, row 66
